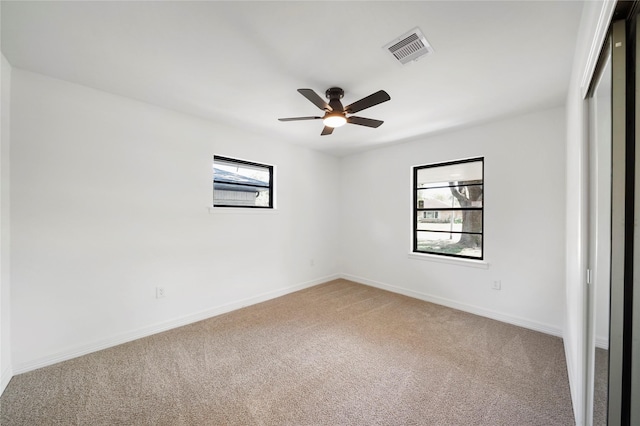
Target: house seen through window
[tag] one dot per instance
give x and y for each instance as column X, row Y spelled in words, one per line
column 239, row 183
column 448, row 201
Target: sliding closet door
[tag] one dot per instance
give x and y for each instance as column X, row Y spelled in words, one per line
column 618, row 198
column 634, row 291
column 599, row 276
column 622, row 49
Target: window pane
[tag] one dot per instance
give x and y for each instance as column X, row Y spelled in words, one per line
column 457, row 244
column 448, row 197
column 242, row 184
column 450, row 220
column 449, row 202
column 442, row 175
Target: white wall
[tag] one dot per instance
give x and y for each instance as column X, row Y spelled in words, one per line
column 524, row 220
column 109, row 200
column 593, row 25
column 5, row 287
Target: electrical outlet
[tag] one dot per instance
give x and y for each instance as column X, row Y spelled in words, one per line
column 497, row 285
column 312, row 262
column 159, row 292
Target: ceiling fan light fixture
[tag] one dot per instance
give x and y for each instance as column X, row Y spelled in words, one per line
column 334, row 120
column 335, row 114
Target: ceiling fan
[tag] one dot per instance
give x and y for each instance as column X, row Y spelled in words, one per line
column 335, row 114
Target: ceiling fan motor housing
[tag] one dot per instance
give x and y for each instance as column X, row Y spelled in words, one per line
column 334, row 95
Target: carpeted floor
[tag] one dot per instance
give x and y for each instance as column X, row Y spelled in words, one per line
column 601, row 385
column 335, row 354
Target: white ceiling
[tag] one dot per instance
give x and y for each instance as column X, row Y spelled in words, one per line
column 241, row 62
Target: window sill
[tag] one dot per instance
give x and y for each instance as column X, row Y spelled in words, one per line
column 481, row 264
column 240, row 210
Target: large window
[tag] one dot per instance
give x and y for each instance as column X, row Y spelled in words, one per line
column 239, row 183
column 448, row 208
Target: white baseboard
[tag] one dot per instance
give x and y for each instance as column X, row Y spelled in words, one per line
column 222, row 309
column 602, row 342
column 477, row 310
column 160, row 327
column 5, row 377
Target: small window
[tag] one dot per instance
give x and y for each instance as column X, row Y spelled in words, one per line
column 448, row 200
column 239, row 183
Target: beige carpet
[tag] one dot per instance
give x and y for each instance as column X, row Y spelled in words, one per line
column 601, row 387
column 336, row 354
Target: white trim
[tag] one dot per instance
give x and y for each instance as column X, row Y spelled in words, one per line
column 450, row 259
column 125, row 337
column 602, row 28
column 241, row 210
column 477, row 310
column 5, row 377
column 602, row 342
column 119, row 339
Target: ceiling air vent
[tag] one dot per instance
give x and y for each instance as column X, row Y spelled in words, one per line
column 409, row 47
